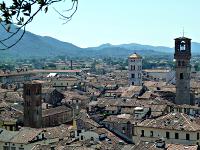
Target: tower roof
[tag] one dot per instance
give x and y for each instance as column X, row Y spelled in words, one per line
column 135, row 56
column 182, row 38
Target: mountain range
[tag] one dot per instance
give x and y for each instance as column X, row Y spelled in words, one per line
column 33, row 45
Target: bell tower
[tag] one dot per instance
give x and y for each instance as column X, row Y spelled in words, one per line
column 182, row 55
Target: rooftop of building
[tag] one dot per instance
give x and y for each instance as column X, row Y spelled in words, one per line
column 157, row 70
column 26, row 135
column 135, row 56
column 172, row 121
column 56, row 110
column 123, row 118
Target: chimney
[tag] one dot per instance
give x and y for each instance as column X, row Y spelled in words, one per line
column 71, row 65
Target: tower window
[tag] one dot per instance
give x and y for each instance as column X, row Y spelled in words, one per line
column 181, row 75
column 183, row 63
column 133, row 75
column 132, row 67
column 139, row 75
column 179, row 63
column 28, row 92
column 182, row 46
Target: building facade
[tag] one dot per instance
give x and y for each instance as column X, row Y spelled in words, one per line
column 135, row 69
column 183, row 56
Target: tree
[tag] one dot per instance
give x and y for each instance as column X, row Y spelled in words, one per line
column 21, row 13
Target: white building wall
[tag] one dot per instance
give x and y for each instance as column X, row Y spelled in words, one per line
column 161, row 133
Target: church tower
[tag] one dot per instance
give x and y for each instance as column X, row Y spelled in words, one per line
column 32, row 105
column 135, row 69
column 182, row 56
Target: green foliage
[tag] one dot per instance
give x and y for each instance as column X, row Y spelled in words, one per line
column 21, row 13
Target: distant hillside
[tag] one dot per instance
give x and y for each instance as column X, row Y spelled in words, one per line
column 140, row 47
column 38, row 46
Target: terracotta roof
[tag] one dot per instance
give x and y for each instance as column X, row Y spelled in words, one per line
column 124, row 118
column 61, row 131
column 57, row 71
column 157, row 70
column 26, row 135
column 56, row 110
column 172, row 121
column 181, row 147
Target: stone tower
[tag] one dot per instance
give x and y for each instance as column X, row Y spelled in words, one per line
column 32, row 105
column 135, row 69
column 182, row 56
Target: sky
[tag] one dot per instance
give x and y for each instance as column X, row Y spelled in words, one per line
column 152, row 22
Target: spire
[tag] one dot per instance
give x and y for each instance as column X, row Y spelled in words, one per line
column 183, row 32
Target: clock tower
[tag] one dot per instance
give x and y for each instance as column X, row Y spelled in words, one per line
column 183, row 55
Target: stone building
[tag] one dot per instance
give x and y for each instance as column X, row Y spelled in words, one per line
column 183, row 55
column 32, row 104
column 135, row 69
column 56, row 116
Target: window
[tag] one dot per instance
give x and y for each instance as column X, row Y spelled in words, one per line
column 13, row 148
column 181, row 75
column 176, row 136
column 132, row 83
column 142, row 133
column 28, row 92
column 151, row 133
column 139, row 75
column 133, row 75
column 183, row 63
column 21, row 148
column 5, row 148
column 182, row 46
column 92, row 138
column 37, row 112
column 81, row 137
column 187, row 136
column 179, row 63
column 197, row 136
column 167, row 135
column 132, row 67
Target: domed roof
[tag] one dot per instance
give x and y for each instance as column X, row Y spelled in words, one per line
column 135, row 56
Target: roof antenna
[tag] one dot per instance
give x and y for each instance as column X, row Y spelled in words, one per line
column 183, row 32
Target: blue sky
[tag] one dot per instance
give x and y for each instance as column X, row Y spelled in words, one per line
column 153, row 22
